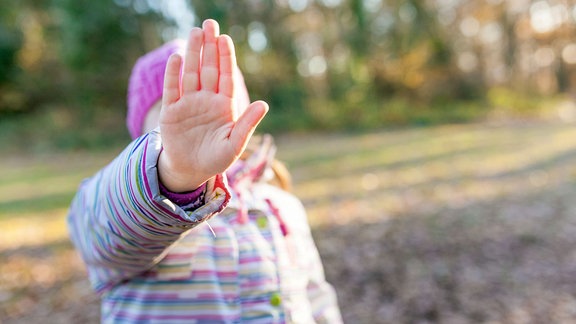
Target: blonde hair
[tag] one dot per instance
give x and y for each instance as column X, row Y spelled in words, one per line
column 281, row 176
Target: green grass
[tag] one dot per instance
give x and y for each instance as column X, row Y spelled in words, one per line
column 435, row 166
column 32, row 184
column 464, row 222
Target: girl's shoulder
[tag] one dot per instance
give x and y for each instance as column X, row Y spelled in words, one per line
column 288, row 205
column 276, row 194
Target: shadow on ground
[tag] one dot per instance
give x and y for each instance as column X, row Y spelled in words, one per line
column 511, row 260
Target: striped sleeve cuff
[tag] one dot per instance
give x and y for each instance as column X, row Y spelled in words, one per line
column 186, row 200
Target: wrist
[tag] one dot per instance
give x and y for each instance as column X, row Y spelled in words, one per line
column 187, row 200
column 177, row 179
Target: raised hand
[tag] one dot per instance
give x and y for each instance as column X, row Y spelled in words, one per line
column 201, row 134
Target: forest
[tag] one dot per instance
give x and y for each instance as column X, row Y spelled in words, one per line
column 321, row 65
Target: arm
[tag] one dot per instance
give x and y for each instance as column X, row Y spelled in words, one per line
column 121, row 223
column 119, row 220
column 321, row 294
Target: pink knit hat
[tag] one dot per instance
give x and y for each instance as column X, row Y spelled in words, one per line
column 146, row 83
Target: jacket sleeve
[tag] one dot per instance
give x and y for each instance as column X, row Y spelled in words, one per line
column 321, row 294
column 121, row 223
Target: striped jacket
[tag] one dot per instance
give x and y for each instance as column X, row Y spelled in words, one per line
column 155, row 261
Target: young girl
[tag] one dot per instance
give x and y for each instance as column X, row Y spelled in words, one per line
column 182, row 226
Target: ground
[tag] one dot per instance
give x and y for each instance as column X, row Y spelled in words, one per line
column 452, row 224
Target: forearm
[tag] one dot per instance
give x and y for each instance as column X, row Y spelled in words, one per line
column 120, row 221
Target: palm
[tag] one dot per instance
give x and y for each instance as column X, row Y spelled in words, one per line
column 201, row 134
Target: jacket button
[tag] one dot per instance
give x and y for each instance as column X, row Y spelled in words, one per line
column 262, row 222
column 275, row 299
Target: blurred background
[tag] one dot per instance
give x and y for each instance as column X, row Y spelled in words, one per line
column 432, row 142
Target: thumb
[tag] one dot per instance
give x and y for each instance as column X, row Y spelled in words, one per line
column 246, row 124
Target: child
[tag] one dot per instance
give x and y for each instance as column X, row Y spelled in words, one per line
column 182, row 226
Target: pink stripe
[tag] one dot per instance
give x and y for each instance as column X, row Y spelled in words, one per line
column 219, row 274
column 256, row 259
column 258, row 283
column 178, row 256
column 205, row 317
column 147, row 184
column 148, row 295
column 125, row 226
